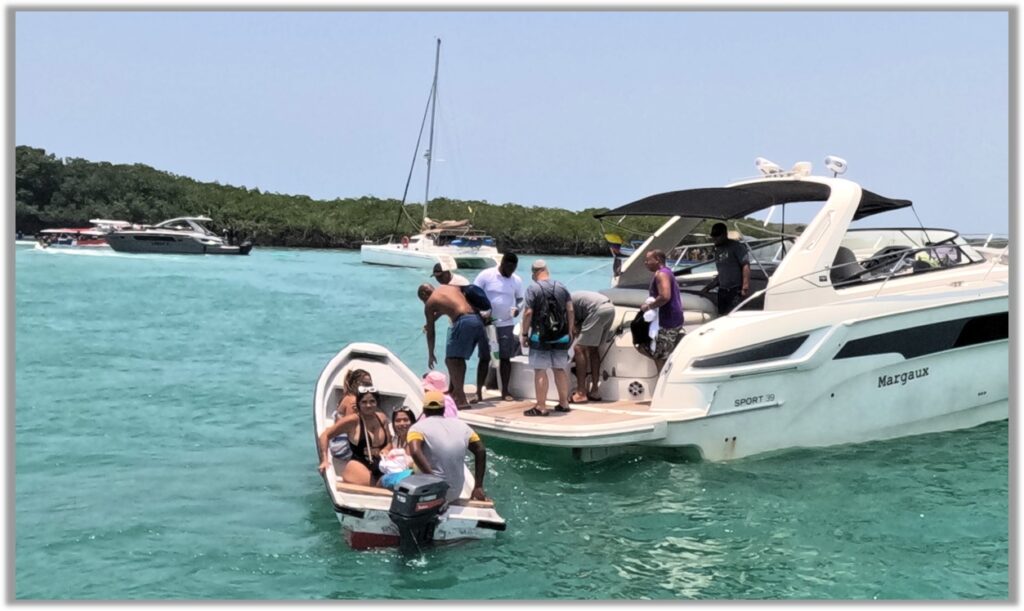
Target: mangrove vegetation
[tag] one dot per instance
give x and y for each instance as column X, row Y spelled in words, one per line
column 60, row 192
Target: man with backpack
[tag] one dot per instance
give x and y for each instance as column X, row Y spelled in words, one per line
column 548, row 329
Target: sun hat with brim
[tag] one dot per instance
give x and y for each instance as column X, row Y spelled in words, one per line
column 435, row 380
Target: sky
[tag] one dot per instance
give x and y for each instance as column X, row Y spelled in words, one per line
column 564, row 109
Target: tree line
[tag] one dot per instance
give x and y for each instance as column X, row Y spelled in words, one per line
column 56, row 192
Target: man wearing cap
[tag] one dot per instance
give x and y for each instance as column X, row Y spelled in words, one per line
column 733, row 263
column 504, row 289
column 548, row 353
column 466, row 333
column 444, row 275
column 438, row 445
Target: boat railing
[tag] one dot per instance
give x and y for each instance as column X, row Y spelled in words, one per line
column 880, row 268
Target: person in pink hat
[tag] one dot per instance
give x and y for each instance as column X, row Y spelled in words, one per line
column 436, row 380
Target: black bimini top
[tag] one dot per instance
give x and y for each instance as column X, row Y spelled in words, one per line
column 737, row 202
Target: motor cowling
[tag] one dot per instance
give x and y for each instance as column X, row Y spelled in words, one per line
column 416, row 508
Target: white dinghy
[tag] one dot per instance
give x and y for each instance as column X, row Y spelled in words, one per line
column 363, row 510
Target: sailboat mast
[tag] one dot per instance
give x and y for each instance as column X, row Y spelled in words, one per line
column 430, row 145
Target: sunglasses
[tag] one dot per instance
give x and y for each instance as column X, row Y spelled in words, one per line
column 366, row 389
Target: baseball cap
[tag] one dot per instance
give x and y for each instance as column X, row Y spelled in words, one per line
column 440, row 268
column 433, row 399
column 539, row 264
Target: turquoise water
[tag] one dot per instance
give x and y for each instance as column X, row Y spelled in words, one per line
column 164, row 449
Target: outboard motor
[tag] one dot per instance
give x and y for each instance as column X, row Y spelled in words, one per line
column 416, row 508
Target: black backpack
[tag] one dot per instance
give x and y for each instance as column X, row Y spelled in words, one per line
column 553, row 323
column 640, row 330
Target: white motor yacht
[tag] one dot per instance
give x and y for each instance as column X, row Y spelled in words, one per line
column 849, row 335
column 182, row 236
column 364, row 511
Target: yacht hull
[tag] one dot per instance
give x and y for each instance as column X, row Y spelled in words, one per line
column 854, row 380
column 395, row 255
column 171, row 244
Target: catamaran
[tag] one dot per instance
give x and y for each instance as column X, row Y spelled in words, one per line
column 453, row 243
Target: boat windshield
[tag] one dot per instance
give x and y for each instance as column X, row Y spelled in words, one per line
column 765, row 253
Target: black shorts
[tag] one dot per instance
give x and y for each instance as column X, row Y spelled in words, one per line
column 727, row 300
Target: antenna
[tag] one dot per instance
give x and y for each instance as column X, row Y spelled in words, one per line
column 836, row 164
column 767, row 167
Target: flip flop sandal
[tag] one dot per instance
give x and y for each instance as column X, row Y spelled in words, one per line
column 533, row 411
column 563, row 408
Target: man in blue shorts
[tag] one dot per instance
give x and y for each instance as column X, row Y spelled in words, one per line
column 467, row 332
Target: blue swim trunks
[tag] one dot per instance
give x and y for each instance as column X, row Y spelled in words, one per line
column 467, row 333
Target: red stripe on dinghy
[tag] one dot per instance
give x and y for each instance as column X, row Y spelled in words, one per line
column 360, row 541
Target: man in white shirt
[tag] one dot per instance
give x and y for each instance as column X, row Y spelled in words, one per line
column 504, row 288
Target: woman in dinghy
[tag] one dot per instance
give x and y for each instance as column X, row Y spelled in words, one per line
column 353, row 380
column 397, row 463
column 368, row 437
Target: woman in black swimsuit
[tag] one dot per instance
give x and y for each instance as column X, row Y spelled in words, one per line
column 368, row 436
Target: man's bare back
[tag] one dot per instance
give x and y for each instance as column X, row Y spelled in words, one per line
column 447, row 300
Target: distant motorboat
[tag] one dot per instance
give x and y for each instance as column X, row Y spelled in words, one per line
column 61, row 238
column 184, row 235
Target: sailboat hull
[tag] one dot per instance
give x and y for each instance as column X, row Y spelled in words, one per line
column 396, row 255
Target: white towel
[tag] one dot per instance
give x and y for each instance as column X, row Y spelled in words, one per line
column 651, row 316
column 395, row 461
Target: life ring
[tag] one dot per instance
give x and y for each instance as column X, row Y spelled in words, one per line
column 405, row 241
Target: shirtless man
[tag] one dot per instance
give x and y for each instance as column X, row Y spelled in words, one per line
column 467, row 332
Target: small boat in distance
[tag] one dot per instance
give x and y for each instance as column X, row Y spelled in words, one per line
column 184, row 235
column 364, row 511
column 62, row 238
column 453, row 243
